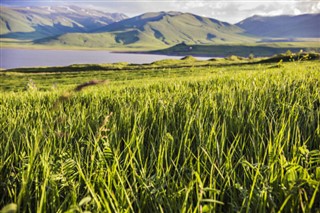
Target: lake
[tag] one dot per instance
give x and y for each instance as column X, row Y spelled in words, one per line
column 14, row 58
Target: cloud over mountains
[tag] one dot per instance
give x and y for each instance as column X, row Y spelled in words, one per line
column 227, row 10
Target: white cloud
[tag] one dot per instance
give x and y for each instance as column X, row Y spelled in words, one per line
column 308, row 6
column 235, row 10
column 228, row 10
column 195, row 4
column 296, row 11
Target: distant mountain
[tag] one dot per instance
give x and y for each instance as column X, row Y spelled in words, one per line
column 159, row 29
column 83, row 27
column 285, row 26
column 39, row 22
column 176, row 27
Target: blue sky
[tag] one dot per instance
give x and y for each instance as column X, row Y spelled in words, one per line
column 228, row 10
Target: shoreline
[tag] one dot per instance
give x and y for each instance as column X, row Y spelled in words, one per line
column 174, row 55
column 25, row 45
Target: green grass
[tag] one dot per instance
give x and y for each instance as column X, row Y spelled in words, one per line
column 78, row 44
column 102, row 40
column 243, row 50
column 214, row 138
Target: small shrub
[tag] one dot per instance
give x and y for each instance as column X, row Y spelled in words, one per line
column 31, row 86
column 251, row 56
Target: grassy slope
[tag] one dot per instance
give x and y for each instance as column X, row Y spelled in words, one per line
column 244, row 50
column 35, row 23
column 102, row 40
column 13, row 22
column 158, row 30
column 219, row 138
column 22, row 26
column 190, row 29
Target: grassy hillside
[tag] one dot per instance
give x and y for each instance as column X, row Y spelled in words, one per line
column 216, row 138
column 13, row 22
column 176, row 27
column 102, row 40
column 30, row 23
column 225, row 50
column 159, row 30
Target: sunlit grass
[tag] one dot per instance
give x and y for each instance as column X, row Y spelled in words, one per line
column 199, row 139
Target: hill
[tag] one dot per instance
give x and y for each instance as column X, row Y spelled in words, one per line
column 72, row 26
column 177, row 27
column 158, row 29
column 29, row 23
column 243, row 50
column 285, row 26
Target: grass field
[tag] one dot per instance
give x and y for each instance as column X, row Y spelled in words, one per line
column 218, row 137
column 245, row 49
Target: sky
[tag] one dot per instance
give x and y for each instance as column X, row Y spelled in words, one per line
column 231, row 11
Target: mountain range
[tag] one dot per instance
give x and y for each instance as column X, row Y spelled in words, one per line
column 285, row 26
column 29, row 23
column 83, row 27
column 156, row 30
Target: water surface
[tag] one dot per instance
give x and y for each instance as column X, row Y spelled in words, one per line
column 14, row 58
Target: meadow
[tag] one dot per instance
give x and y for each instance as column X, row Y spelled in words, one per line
column 218, row 136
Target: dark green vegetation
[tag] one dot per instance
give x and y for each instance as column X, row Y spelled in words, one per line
column 221, row 137
column 223, row 50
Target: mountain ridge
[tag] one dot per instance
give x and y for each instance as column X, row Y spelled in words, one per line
column 162, row 29
column 288, row 26
column 39, row 22
column 90, row 28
